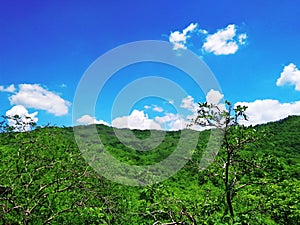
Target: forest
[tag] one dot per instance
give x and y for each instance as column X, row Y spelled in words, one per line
column 45, row 179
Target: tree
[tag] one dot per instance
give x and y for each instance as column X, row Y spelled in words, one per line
column 232, row 166
column 45, row 180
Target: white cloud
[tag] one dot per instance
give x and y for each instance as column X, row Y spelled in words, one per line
column 258, row 112
column 167, row 118
column 136, row 120
column 267, row 110
column 242, row 38
column 179, row 39
column 11, row 88
column 202, row 31
column 172, row 121
column 189, row 104
column 87, row 119
column 36, row 97
column 290, row 75
column 157, row 108
column 139, row 120
column 214, row 97
column 25, row 117
column 169, row 121
column 225, row 41
column 190, row 28
column 178, row 124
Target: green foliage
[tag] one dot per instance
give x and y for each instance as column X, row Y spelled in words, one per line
column 237, row 165
column 45, row 180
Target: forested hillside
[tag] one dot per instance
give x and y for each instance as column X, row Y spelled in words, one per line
column 45, row 180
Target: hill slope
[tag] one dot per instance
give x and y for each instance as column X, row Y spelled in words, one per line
column 44, row 179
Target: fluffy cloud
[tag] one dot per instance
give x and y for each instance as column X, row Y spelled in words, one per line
column 225, row 41
column 157, row 108
column 169, row 121
column 167, row 118
column 136, row 120
column 172, row 121
column 258, row 112
column 263, row 111
column 36, row 97
column 189, row 104
column 87, row 119
column 214, row 97
column 11, row 88
column 178, row 39
column 290, row 75
column 242, row 38
column 178, row 124
column 25, row 117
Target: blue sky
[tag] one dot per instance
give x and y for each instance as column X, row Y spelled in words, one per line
column 252, row 47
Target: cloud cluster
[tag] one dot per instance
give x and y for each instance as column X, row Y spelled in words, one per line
column 214, row 97
column 267, row 110
column 87, row 120
column 36, row 97
column 179, row 122
column 155, row 108
column 141, row 121
column 189, row 104
column 290, row 75
column 136, row 120
column 172, row 121
column 11, row 88
column 225, row 41
column 179, row 39
column 258, row 112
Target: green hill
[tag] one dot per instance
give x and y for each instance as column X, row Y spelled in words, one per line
column 44, row 179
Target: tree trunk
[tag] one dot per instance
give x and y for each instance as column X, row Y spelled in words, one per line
column 228, row 187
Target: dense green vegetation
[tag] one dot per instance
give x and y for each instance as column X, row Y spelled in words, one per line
column 45, row 180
